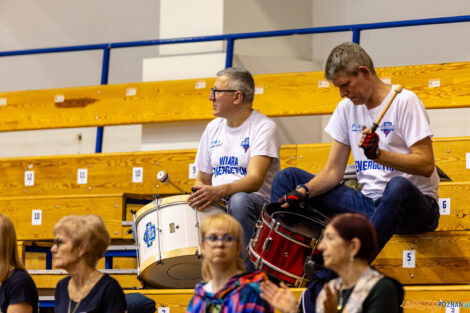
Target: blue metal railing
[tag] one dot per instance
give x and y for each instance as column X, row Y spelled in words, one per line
column 230, row 38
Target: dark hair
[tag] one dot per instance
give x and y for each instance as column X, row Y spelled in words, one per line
column 355, row 225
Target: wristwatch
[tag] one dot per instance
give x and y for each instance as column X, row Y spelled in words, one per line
column 307, row 191
column 377, row 153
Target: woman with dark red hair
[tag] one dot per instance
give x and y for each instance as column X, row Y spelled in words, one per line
column 348, row 243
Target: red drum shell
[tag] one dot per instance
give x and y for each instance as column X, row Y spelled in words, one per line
column 285, row 255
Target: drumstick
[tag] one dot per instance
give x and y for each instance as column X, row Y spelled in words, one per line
column 165, row 178
column 396, row 90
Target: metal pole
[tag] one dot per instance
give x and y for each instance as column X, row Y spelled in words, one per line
column 356, row 35
column 229, row 57
column 104, row 81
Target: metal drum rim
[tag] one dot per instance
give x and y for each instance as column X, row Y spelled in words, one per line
column 273, row 267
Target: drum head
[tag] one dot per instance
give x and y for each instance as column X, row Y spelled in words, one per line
column 168, row 239
column 182, row 271
column 303, row 222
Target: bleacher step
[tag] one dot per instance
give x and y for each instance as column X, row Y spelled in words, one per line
column 441, row 257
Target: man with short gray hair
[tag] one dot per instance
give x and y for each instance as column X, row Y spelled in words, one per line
column 395, row 165
column 238, row 155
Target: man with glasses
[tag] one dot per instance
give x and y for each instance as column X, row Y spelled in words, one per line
column 238, row 155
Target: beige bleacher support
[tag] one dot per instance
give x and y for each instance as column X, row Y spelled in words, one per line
column 287, row 94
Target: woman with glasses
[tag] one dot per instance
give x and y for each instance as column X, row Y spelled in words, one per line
column 80, row 241
column 226, row 288
column 348, row 243
column 18, row 292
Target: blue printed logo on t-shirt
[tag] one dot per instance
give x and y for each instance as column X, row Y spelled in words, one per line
column 215, row 143
column 229, row 165
column 356, row 127
column 387, row 128
column 245, row 143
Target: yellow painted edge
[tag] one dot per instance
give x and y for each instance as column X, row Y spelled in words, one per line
column 166, row 255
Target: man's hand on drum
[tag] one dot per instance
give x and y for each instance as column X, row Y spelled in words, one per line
column 204, row 195
column 293, row 198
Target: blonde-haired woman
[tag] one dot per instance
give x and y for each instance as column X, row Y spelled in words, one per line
column 226, row 288
column 80, row 241
column 18, row 292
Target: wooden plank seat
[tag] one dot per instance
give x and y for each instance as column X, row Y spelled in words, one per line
column 286, row 94
column 106, row 173
column 48, row 279
column 115, row 211
column 454, row 206
column 425, row 299
column 449, row 152
column 418, row 299
column 53, row 208
column 113, row 172
column 441, row 257
column 434, row 253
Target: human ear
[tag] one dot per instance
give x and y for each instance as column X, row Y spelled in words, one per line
column 237, row 97
column 364, row 70
column 82, row 250
column 355, row 245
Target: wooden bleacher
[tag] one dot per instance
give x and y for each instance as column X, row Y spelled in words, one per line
column 286, row 94
column 442, row 257
column 57, row 193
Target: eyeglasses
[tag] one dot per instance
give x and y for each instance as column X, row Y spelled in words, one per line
column 57, row 242
column 213, row 91
column 226, row 238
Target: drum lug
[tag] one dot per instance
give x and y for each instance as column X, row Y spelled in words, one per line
column 198, row 254
column 257, row 264
column 255, row 237
column 299, row 282
column 267, row 244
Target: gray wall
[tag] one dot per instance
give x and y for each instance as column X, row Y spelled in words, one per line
column 29, row 24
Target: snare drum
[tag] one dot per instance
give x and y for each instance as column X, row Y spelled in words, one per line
column 168, row 240
column 284, row 241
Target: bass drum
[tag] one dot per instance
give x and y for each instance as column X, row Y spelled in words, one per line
column 168, row 240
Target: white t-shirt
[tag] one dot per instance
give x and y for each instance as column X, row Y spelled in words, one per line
column 405, row 123
column 225, row 151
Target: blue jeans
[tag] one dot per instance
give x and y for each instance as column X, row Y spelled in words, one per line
column 246, row 208
column 403, row 208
